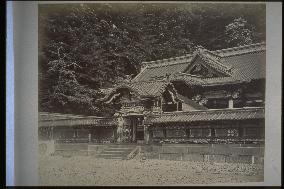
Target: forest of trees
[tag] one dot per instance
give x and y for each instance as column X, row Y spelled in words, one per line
column 85, row 47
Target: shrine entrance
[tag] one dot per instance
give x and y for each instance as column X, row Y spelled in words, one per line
column 134, row 129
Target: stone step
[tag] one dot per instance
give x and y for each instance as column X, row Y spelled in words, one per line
column 118, row 149
column 121, row 146
column 114, row 152
column 112, row 148
column 111, row 157
column 114, row 155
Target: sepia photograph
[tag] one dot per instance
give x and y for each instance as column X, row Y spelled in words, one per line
column 151, row 94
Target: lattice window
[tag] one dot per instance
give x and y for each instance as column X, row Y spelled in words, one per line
column 233, row 132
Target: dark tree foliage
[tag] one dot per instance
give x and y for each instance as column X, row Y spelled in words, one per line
column 85, row 47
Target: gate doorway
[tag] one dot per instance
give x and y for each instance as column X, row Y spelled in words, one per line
column 140, row 135
column 137, row 129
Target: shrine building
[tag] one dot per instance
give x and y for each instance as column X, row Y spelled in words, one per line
column 204, row 97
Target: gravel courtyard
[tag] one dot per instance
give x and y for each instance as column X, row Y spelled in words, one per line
column 87, row 170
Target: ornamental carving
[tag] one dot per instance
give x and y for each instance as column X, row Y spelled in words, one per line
column 200, row 99
column 236, row 94
column 203, row 101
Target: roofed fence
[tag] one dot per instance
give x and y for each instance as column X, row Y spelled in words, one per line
column 50, row 119
column 208, row 115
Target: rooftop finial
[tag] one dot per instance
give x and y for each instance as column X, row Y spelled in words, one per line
column 199, row 49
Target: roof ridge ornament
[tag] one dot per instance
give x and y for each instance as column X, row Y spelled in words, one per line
column 200, row 49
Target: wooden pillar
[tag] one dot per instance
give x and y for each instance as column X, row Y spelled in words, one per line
column 119, row 134
column 161, row 101
column 165, row 133
column 231, row 103
column 244, row 132
column 51, row 133
column 120, row 129
column 146, row 134
column 90, row 136
column 177, row 106
column 74, row 133
column 210, row 132
column 134, row 127
column 113, row 134
column 213, row 132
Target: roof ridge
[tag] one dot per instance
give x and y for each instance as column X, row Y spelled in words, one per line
column 162, row 64
column 167, row 61
column 242, row 46
column 148, row 81
column 218, row 77
column 237, row 50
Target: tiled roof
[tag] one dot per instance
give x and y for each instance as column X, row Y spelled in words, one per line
column 193, row 80
column 43, row 116
column 170, row 61
column 239, row 63
column 54, row 119
column 247, row 62
column 209, row 115
column 247, row 66
column 152, row 88
column 160, row 68
column 160, row 71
